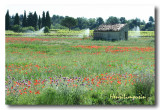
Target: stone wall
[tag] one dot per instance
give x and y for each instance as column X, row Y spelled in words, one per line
column 112, row 36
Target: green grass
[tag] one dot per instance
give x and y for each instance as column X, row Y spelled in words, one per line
column 47, row 63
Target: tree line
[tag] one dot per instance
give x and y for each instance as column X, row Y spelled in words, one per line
column 32, row 20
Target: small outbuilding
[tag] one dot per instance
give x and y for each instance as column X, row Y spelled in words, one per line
column 111, row 32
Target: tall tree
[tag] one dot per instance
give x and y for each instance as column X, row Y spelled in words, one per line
column 56, row 19
column 69, row 22
column 82, row 23
column 48, row 20
column 122, row 20
column 16, row 19
column 151, row 19
column 99, row 21
column 43, row 19
column 24, row 22
column 7, row 21
column 142, row 22
column 92, row 23
column 39, row 22
column 35, row 20
column 12, row 20
column 20, row 19
column 136, row 22
column 130, row 23
column 30, row 19
column 112, row 20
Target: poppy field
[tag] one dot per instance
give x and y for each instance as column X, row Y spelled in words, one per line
column 77, row 71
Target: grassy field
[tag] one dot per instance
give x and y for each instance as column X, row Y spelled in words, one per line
column 77, row 71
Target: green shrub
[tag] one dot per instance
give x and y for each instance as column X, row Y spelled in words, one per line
column 62, row 96
column 58, row 26
column 46, row 30
column 28, row 29
column 16, row 28
column 143, row 86
column 9, row 100
column 50, row 94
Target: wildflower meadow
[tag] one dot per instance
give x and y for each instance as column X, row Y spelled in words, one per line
column 48, row 70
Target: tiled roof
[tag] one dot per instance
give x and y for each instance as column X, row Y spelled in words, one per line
column 115, row 27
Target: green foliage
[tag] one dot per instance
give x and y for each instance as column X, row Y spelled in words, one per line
column 99, row 21
column 134, row 23
column 82, row 23
column 56, row 19
column 24, row 22
column 112, row 20
column 28, row 29
column 143, row 86
column 69, row 22
column 142, row 27
column 9, row 100
column 50, row 94
column 122, row 20
column 39, row 22
column 7, row 21
column 16, row 28
column 30, row 19
column 35, row 21
column 16, row 19
column 92, row 23
column 48, row 20
column 151, row 19
column 43, row 19
column 59, row 26
column 149, row 26
column 59, row 97
column 46, row 30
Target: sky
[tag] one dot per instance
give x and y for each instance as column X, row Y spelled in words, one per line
column 86, row 10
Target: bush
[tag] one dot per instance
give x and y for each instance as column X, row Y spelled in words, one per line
column 27, row 29
column 16, row 28
column 46, row 30
column 143, row 86
column 76, row 29
column 58, row 26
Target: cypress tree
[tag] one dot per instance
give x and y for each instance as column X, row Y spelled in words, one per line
column 16, row 19
column 35, row 20
column 39, row 22
column 30, row 20
column 24, row 22
column 43, row 19
column 48, row 20
column 7, row 21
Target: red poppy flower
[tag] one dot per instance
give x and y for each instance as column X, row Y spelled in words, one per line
column 118, row 82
